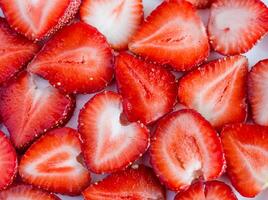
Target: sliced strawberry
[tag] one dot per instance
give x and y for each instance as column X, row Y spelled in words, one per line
column 15, row 51
column 217, row 90
column 53, row 163
column 196, row 3
column 185, row 147
column 26, row 192
column 39, row 19
column 118, row 21
column 76, row 60
column 28, row 110
column 110, row 142
column 257, row 92
column 212, row 190
column 173, row 34
column 8, row 162
column 137, row 183
column 246, row 152
column 149, row 91
column 236, row 26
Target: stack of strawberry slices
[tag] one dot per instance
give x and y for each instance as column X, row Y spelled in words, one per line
column 194, row 120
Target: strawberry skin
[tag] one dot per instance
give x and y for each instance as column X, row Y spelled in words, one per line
column 52, row 163
column 110, row 142
column 196, row 3
column 246, row 151
column 173, row 34
column 257, row 92
column 143, row 86
column 76, row 60
column 15, row 51
column 28, row 192
column 217, row 90
column 118, row 21
column 135, row 183
column 8, row 162
column 214, row 190
column 28, row 110
column 236, row 26
column 185, row 147
column 37, row 20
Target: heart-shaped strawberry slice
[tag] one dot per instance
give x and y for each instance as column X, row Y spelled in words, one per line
column 28, row 110
column 110, row 143
column 37, row 19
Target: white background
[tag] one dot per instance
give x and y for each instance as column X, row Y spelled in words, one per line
column 259, row 52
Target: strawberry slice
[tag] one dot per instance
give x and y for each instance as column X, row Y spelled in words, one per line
column 143, row 87
column 110, row 142
column 185, row 147
column 8, row 162
column 173, row 34
column 257, row 92
column 246, row 152
column 76, row 60
column 212, row 190
column 137, row 182
column 196, row 3
column 118, row 21
column 236, row 26
column 217, row 90
column 53, row 163
column 28, row 110
column 39, row 19
column 15, row 51
column 26, row 192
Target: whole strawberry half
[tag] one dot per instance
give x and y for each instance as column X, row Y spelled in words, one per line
column 15, row 51
column 214, row 190
column 257, row 92
column 149, row 91
column 8, row 162
column 39, row 19
column 196, row 3
column 27, row 192
column 54, row 163
column 138, row 182
column 76, row 60
column 118, row 20
column 217, row 90
column 185, row 147
column 28, row 110
column 173, row 34
column 235, row 26
column 110, row 142
column 246, row 151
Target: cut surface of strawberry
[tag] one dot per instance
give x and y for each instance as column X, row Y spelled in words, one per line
column 15, row 51
column 26, row 192
column 236, row 26
column 138, row 182
column 217, row 90
column 149, row 91
column 53, row 163
column 257, row 92
column 8, row 162
column 173, row 34
column 76, row 60
column 28, row 110
column 38, row 19
column 118, row 20
column 246, row 152
column 212, row 190
column 110, row 142
column 196, row 3
column 185, row 147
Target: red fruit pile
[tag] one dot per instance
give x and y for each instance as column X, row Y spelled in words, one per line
column 51, row 52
